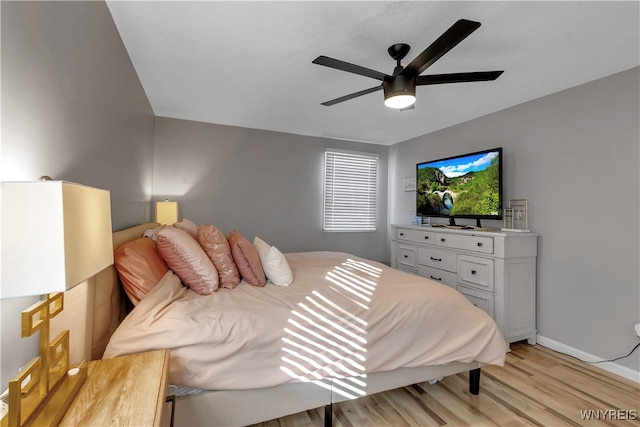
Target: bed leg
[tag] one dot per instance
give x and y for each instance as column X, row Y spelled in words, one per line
column 474, row 381
column 328, row 415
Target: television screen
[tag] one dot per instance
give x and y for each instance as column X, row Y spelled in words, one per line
column 466, row 186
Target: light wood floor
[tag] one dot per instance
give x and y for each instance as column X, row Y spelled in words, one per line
column 536, row 387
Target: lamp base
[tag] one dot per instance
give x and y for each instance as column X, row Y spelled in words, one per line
column 50, row 410
column 43, row 390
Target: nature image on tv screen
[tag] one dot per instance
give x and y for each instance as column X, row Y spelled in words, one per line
column 460, row 186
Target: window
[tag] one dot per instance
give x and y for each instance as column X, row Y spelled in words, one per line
column 350, row 191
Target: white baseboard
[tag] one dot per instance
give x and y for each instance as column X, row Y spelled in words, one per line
column 623, row 371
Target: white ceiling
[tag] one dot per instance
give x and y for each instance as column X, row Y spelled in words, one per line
column 248, row 63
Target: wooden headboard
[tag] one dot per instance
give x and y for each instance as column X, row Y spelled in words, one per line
column 94, row 309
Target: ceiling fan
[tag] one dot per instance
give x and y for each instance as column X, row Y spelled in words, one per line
column 400, row 87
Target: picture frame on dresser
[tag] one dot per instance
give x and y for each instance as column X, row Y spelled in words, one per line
column 516, row 216
column 495, row 270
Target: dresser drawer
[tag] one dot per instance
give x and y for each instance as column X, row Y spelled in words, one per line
column 445, row 277
column 475, row 272
column 481, row 300
column 437, row 258
column 406, row 256
column 467, row 243
column 418, row 236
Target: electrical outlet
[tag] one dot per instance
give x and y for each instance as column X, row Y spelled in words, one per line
column 4, row 400
column 637, row 329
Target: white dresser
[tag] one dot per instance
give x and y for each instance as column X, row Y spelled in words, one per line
column 495, row 270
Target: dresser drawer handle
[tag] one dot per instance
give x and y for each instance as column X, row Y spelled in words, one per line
column 406, row 256
column 435, row 259
column 479, row 243
column 402, row 234
column 426, row 237
column 473, row 272
column 442, row 239
column 439, row 279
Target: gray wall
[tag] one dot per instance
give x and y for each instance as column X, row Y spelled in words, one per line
column 259, row 182
column 575, row 156
column 72, row 108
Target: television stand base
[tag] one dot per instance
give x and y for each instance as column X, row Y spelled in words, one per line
column 462, row 227
column 452, row 224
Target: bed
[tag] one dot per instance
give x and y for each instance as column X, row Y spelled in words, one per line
column 324, row 339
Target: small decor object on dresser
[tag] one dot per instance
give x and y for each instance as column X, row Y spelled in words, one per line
column 516, row 216
column 415, row 219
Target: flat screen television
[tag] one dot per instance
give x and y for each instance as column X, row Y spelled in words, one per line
column 465, row 186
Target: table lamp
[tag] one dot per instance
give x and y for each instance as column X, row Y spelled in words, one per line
column 55, row 235
column 166, row 212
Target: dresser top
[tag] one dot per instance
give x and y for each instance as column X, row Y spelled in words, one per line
column 466, row 230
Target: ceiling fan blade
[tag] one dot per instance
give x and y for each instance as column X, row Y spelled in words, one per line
column 478, row 76
column 350, row 68
column 352, row 95
column 447, row 41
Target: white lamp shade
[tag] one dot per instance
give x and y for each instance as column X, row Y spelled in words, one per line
column 55, row 235
column 166, row 212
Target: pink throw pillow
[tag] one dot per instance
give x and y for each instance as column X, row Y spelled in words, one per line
column 140, row 267
column 216, row 246
column 188, row 226
column 247, row 259
column 187, row 259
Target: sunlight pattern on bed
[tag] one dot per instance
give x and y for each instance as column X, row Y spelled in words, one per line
column 325, row 339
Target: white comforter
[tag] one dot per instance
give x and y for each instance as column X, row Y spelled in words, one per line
column 343, row 316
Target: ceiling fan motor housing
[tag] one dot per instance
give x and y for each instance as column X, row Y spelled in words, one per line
column 399, row 85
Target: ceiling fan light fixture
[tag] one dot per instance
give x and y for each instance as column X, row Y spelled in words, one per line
column 399, row 92
column 398, row 102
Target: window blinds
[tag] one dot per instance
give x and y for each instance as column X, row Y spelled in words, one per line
column 350, row 191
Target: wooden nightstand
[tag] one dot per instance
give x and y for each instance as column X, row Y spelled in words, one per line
column 123, row 391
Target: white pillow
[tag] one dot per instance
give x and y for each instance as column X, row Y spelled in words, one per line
column 152, row 233
column 274, row 263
